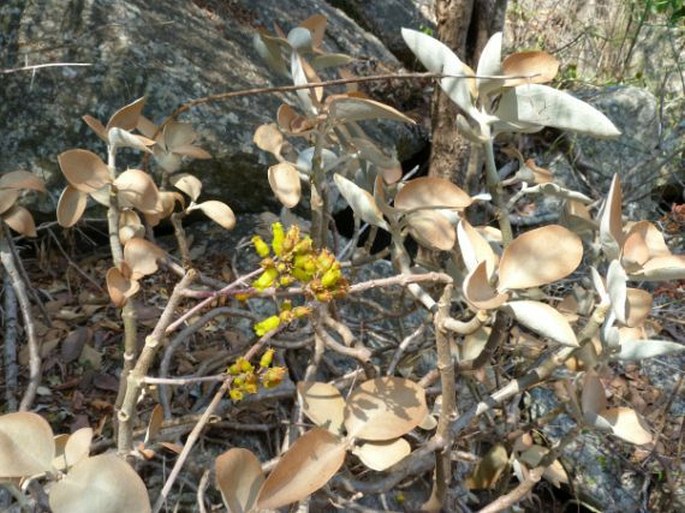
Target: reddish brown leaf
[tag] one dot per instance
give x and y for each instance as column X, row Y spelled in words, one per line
column 308, row 465
column 239, row 478
column 127, row 116
column 72, row 203
column 84, row 170
column 20, row 220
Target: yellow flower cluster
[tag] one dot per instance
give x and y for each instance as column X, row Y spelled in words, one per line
column 247, row 378
column 286, row 315
column 294, row 259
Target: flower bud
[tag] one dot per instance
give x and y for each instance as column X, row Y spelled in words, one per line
column 279, row 236
column 273, row 377
column 266, row 279
column 268, row 324
column 260, row 246
column 266, row 358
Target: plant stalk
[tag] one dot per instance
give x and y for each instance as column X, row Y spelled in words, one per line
column 134, row 380
column 448, row 409
column 129, row 315
column 496, row 191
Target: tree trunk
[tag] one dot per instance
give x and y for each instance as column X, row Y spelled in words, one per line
column 465, row 26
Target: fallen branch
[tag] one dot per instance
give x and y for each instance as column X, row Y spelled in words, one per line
column 10, row 345
column 8, row 262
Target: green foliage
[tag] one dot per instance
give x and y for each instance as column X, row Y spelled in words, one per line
column 673, row 9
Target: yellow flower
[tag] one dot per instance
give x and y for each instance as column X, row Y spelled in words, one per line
column 266, row 279
column 260, row 246
column 245, row 365
column 291, row 238
column 279, row 237
column 251, row 383
column 273, row 377
column 305, row 262
column 268, row 324
column 325, row 260
column 304, row 246
column 301, row 311
column 243, row 296
column 332, row 276
column 267, row 358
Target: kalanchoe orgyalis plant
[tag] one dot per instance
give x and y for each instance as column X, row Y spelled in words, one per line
column 12, row 186
column 494, row 274
column 30, row 451
column 133, row 192
column 370, row 424
column 295, row 261
column 246, row 378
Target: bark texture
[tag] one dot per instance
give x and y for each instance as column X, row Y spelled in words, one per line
column 465, row 26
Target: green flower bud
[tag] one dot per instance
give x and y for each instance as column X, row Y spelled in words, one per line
column 279, row 236
column 267, row 358
column 266, row 279
column 268, row 324
column 260, row 246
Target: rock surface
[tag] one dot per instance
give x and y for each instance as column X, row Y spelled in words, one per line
column 641, row 155
column 384, row 19
column 184, row 51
